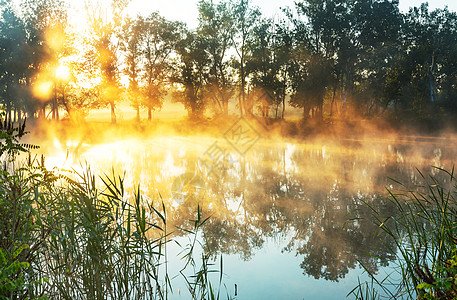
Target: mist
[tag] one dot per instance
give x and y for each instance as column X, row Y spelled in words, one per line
column 262, row 139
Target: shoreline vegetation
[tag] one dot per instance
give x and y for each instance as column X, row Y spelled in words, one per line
column 424, row 232
column 62, row 238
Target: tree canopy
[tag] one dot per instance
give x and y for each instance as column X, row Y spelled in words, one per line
column 327, row 58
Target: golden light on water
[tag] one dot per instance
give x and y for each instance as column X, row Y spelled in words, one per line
column 154, row 161
column 128, row 153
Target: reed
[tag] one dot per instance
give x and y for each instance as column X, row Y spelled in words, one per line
column 79, row 236
column 424, row 231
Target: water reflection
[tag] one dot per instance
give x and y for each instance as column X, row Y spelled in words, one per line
column 310, row 195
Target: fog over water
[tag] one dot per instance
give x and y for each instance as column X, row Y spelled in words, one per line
column 294, row 206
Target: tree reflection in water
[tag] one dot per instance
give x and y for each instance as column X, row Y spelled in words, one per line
column 312, row 196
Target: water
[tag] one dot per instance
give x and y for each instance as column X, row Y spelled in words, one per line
column 288, row 217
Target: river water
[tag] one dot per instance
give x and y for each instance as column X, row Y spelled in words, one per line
column 289, row 217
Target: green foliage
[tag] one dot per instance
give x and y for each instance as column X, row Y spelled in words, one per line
column 9, row 139
column 192, row 72
column 424, row 231
column 11, row 272
column 104, row 244
column 20, row 236
column 444, row 287
column 326, row 55
column 13, row 275
column 216, row 27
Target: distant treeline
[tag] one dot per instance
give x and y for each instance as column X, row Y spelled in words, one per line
column 327, row 58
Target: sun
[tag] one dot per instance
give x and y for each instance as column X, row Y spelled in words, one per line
column 63, row 73
column 42, row 89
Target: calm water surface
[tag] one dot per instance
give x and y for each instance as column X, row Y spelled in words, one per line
column 288, row 217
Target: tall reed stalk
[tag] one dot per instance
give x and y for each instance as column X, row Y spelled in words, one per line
column 424, row 230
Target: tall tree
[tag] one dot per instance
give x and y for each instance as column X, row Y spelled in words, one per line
column 245, row 17
column 268, row 66
column 13, row 58
column 283, row 58
column 131, row 38
column 105, row 22
column 377, row 75
column 216, row 27
column 42, row 45
column 430, row 37
column 347, row 44
column 260, row 66
column 319, row 37
column 159, row 40
column 191, row 73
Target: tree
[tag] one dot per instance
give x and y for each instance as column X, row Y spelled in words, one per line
column 283, row 54
column 309, row 82
column 430, row 38
column 377, row 73
column 104, row 45
column 132, row 35
column 13, row 59
column 350, row 44
column 322, row 52
column 269, row 66
column 159, row 40
column 31, row 46
column 260, row 66
column 216, row 28
column 191, row 72
column 245, row 17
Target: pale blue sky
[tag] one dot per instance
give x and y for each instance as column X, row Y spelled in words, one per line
column 186, row 10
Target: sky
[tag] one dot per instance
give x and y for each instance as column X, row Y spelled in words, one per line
column 186, row 10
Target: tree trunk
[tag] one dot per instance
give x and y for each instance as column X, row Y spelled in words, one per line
column 346, row 85
column 342, row 93
column 55, row 109
column 431, row 79
column 42, row 112
column 8, row 111
column 243, row 83
column 283, row 99
column 320, row 109
column 113, row 113
column 65, row 104
column 333, row 100
column 225, row 106
column 149, row 114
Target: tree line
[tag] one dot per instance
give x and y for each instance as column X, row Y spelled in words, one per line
column 324, row 57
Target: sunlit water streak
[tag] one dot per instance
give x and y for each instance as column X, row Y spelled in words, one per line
column 286, row 215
